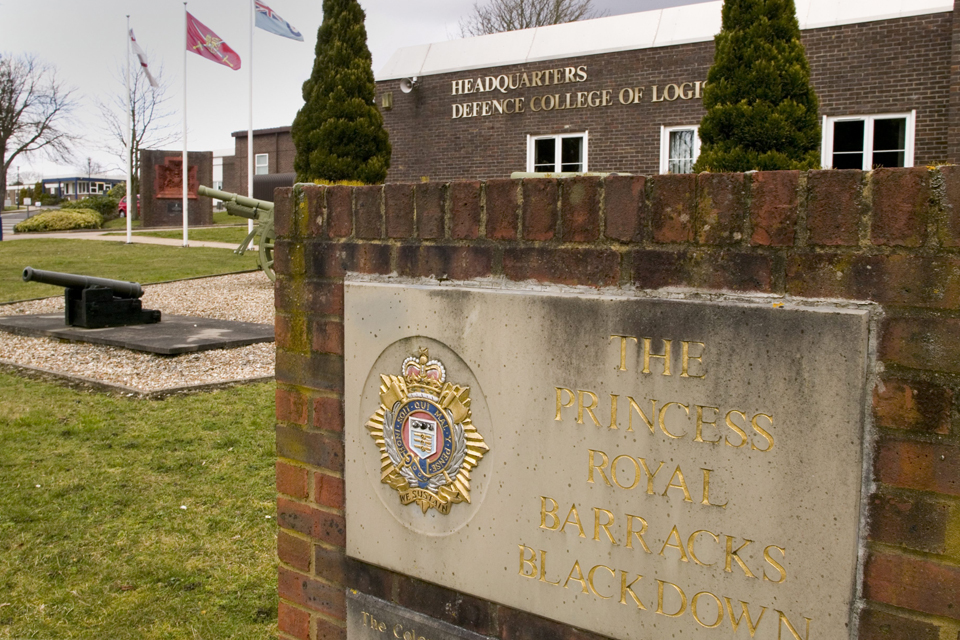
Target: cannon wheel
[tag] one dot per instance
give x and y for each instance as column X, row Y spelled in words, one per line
column 265, row 258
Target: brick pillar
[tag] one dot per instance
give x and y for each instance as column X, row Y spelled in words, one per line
column 953, row 123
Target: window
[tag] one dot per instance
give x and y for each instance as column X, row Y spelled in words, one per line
column 679, row 149
column 261, row 161
column 867, row 142
column 555, row 154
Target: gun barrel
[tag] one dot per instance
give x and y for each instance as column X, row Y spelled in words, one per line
column 120, row 288
column 226, row 196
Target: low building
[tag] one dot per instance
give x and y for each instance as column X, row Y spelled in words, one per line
column 624, row 93
column 73, row 187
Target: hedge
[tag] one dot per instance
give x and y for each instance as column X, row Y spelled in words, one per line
column 61, row 220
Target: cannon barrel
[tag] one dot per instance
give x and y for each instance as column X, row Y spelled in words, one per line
column 120, row 288
column 227, row 197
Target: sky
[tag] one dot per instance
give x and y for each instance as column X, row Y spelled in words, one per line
column 85, row 41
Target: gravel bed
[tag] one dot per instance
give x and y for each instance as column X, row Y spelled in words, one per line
column 245, row 297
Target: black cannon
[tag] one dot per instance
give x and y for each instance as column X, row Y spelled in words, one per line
column 94, row 303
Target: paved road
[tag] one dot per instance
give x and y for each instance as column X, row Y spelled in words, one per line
column 10, row 219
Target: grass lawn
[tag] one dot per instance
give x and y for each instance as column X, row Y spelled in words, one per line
column 148, row 519
column 222, row 217
column 120, row 223
column 233, row 235
column 107, row 259
column 219, row 217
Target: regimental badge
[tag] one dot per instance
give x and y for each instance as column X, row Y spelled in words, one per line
column 427, row 441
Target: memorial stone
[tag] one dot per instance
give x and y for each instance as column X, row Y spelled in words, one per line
column 635, row 466
column 161, row 188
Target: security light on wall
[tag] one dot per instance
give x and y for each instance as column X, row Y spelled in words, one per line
column 409, row 84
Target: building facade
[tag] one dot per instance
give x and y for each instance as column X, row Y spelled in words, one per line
column 624, row 93
column 78, row 187
column 273, row 154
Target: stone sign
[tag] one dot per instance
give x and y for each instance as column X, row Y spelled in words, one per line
column 630, row 465
column 370, row 618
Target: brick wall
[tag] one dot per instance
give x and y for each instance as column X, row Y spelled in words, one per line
column 886, row 66
column 891, row 236
column 276, row 143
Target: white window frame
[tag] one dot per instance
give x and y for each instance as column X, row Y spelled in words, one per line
column 257, row 165
column 665, row 144
column 826, row 148
column 531, row 139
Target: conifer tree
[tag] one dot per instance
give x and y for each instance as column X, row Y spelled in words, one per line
column 338, row 133
column 761, row 109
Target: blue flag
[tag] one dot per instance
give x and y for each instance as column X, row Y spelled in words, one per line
column 268, row 20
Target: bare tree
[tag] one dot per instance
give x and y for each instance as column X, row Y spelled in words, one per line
column 509, row 15
column 91, row 167
column 35, row 106
column 151, row 125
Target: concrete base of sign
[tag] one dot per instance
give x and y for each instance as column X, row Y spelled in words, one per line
column 656, row 467
column 171, row 336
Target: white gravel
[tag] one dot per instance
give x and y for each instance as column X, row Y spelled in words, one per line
column 246, row 297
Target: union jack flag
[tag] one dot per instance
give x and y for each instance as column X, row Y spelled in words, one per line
column 268, row 20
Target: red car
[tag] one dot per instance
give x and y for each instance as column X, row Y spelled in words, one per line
column 122, row 206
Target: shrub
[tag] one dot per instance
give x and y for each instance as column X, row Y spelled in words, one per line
column 60, row 221
column 105, row 205
column 762, row 112
column 338, row 133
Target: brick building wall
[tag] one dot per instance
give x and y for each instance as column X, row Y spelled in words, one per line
column 276, row 143
column 891, row 236
column 859, row 69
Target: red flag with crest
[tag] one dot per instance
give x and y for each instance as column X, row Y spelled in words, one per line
column 204, row 42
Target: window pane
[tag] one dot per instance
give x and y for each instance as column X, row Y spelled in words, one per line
column 544, row 155
column 889, row 134
column 888, row 158
column 571, row 154
column 681, row 151
column 847, row 136
column 848, row 161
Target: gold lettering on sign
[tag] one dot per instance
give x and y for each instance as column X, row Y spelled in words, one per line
column 628, row 588
column 708, row 609
column 696, row 616
column 744, row 613
column 591, row 99
column 648, row 354
column 543, row 569
column 687, row 358
column 660, row 594
column 525, row 562
column 639, row 534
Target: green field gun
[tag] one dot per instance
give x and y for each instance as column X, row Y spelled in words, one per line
column 261, row 212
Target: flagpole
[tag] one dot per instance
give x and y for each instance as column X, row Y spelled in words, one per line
column 130, row 206
column 186, row 171
column 253, row 12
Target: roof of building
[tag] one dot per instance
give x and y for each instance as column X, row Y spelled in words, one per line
column 648, row 29
column 260, row 132
column 70, row 177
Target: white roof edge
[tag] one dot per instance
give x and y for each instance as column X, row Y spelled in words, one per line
column 592, row 37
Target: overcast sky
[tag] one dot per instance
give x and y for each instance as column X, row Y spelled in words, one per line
column 85, row 41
